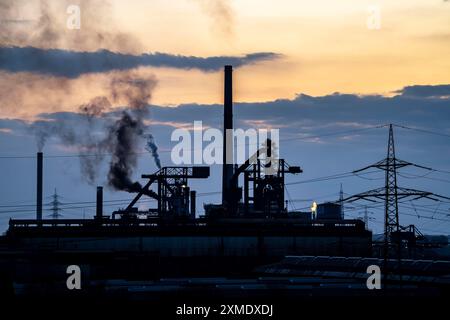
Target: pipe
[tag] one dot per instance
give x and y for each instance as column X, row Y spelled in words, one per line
column 39, row 182
column 193, row 197
column 227, row 167
column 99, row 207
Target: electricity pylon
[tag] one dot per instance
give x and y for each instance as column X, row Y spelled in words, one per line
column 55, row 206
column 391, row 193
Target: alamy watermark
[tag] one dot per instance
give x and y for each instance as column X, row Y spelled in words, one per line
column 73, row 281
column 204, row 146
column 374, row 19
column 374, row 280
column 73, row 21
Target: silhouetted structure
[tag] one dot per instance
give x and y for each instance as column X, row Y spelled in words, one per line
column 227, row 170
column 394, row 234
column 39, row 183
column 249, row 228
column 55, row 203
column 99, row 203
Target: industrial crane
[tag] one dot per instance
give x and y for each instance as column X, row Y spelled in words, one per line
column 174, row 197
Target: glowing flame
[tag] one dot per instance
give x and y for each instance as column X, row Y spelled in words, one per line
column 314, row 210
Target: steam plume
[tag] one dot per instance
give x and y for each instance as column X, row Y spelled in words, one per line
column 153, row 149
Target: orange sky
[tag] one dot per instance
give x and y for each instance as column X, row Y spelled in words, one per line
column 326, row 47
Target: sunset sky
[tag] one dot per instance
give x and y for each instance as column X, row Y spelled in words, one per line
column 322, row 46
column 309, row 68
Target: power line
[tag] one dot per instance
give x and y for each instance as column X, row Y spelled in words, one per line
column 422, row 130
column 331, row 177
column 65, row 203
column 324, row 178
column 379, row 207
column 337, row 133
column 413, row 176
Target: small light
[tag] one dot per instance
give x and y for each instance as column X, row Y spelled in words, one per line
column 314, row 210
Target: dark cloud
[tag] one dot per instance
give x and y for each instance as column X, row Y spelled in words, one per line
column 72, row 64
column 303, row 113
column 426, row 91
column 312, row 114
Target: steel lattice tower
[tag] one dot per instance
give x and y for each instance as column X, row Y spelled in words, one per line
column 391, row 199
column 391, row 193
column 341, row 202
column 55, row 206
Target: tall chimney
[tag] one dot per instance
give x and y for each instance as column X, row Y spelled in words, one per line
column 227, row 169
column 39, row 186
column 193, row 207
column 99, row 208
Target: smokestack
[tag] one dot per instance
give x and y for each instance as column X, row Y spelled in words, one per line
column 193, row 208
column 39, row 186
column 99, row 209
column 227, row 168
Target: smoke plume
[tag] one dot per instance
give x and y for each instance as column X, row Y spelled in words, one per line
column 128, row 130
column 221, row 14
column 92, row 146
column 95, row 131
column 98, row 132
column 42, row 24
column 95, row 108
column 153, row 149
column 124, row 134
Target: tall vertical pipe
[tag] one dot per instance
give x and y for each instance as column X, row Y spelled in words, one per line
column 99, row 207
column 193, row 199
column 227, row 169
column 39, row 186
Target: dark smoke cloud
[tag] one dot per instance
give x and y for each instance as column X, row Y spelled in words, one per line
column 72, row 64
column 128, row 130
column 42, row 23
column 80, row 132
column 43, row 130
column 98, row 134
column 136, row 92
column 124, row 136
column 96, row 107
column 92, row 145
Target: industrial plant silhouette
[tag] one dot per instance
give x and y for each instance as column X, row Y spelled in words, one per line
column 250, row 244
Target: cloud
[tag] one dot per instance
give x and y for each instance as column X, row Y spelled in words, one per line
column 5, row 130
column 426, row 91
column 325, row 113
column 72, row 64
column 302, row 115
